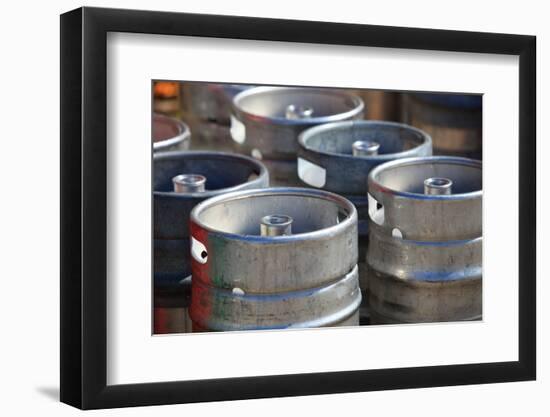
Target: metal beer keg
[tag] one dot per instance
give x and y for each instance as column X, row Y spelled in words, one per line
column 210, row 102
column 453, row 121
column 266, row 122
column 169, row 134
column 207, row 109
column 181, row 181
column 338, row 157
column 274, row 259
column 425, row 240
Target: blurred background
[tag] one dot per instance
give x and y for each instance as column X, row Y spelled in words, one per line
column 454, row 121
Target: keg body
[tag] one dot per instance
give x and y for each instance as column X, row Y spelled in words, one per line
column 453, row 121
column 210, row 102
column 244, row 280
column 425, row 250
column 326, row 161
column 267, row 121
column 169, row 134
column 171, row 308
column 171, row 210
column 210, row 136
column 207, row 109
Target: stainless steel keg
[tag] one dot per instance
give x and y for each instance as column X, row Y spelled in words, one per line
column 181, row 180
column 272, row 259
column 171, row 308
column 266, row 122
column 210, row 102
column 454, row 121
column 169, row 134
column 210, row 136
column 338, row 157
column 206, row 109
column 425, row 240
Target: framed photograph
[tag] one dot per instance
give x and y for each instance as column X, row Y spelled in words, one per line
column 259, row 208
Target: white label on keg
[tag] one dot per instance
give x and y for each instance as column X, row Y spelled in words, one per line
column 376, row 213
column 312, row 174
column 198, row 251
column 238, row 130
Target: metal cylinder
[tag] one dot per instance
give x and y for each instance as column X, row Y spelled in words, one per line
column 209, row 102
column 424, row 255
column 266, row 122
column 276, row 225
column 365, row 148
column 210, row 136
column 169, row 134
column 454, row 121
column 171, row 309
column 326, row 161
column 437, row 186
column 223, row 173
column 206, row 108
column 245, row 280
column 189, row 183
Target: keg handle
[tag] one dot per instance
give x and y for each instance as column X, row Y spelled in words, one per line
column 198, row 251
column 311, row 173
column 376, row 210
column 377, row 215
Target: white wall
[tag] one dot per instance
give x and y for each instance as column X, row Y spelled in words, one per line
column 29, row 266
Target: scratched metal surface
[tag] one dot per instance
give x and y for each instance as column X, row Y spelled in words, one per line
column 270, row 130
column 425, row 251
column 246, row 281
column 170, row 134
column 171, row 249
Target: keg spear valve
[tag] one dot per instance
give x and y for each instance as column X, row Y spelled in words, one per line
column 295, row 112
column 438, row 186
column 276, row 225
column 365, row 148
column 189, row 183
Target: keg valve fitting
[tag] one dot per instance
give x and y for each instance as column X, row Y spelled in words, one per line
column 276, row 225
column 189, row 183
column 298, row 112
column 438, row 186
column 365, row 148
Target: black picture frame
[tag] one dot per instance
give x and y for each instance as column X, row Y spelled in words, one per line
column 84, row 207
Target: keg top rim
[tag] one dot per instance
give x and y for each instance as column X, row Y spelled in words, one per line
column 344, row 203
column 183, row 131
column 307, row 134
column 455, row 160
column 263, row 174
column 352, row 112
